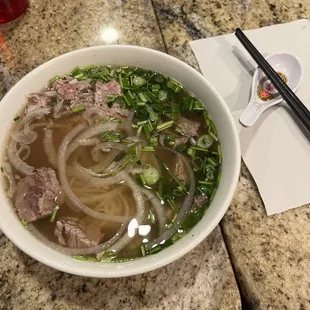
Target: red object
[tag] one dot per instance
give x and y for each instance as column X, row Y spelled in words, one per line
column 11, row 9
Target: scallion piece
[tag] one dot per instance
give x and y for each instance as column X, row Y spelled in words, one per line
column 213, row 136
column 164, row 126
column 139, row 163
column 200, row 149
column 53, row 79
column 155, row 249
column 54, row 213
column 175, row 86
column 191, row 152
column 138, row 81
column 151, row 175
column 181, row 148
column 77, row 109
column 197, row 106
column 143, row 251
column 197, row 163
column 143, row 97
column 24, row 223
column 151, row 217
column 85, row 258
column 148, row 149
column 162, row 95
column 90, row 67
column 211, row 161
column 205, row 141
column 172, row 204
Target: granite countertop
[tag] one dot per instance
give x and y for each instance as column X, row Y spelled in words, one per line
column 270, row 255
column 203, row 279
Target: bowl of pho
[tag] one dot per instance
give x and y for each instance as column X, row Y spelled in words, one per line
column 116, row 160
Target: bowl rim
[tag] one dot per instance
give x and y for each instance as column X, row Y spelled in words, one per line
column 149, row 263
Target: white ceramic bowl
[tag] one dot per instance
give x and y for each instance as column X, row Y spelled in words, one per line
column 14, row 101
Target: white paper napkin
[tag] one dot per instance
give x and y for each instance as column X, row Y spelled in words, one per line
column 275, row 149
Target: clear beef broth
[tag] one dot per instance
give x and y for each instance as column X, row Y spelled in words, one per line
column 151, row 156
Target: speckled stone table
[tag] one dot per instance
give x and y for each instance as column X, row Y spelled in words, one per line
column 203, row 279
column 271, row 255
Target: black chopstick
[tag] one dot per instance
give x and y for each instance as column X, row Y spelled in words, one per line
column 287, row 94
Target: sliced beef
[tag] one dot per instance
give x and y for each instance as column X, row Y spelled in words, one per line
column 200, row 200
column 69, row 88
column 73, row 233
column 180, row 170
column 104, row 89
column 36, row 194
column 189, row 129
column 37, row 100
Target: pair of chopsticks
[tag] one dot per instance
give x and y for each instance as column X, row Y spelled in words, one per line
column 287, row 94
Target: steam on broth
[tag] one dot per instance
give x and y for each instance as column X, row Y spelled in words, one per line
column 112, row 163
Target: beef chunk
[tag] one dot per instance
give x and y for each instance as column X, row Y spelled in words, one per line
column 73, row 233
column 189, row 128
column 104, row 89
column 37, row 100
column 180, row 170
column 36, row 194
column 200, row 200
column 69, row 88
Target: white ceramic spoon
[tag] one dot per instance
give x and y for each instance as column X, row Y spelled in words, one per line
column 285, row 63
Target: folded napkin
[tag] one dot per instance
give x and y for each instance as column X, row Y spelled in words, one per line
column 275, row 149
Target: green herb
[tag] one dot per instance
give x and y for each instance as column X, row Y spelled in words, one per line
column 205, row 141
column 85, row 258
column 191, row 152
column 181, row 148
column 211, row 161
column 138, row 81
column 164, row 126
column 139, row 163
column 151, row 217
column 112, row 136
column 149, row 148
column 199, row 149
column 172, row 204
column 143, row 251
column 213, row 136
column 53, row 79
column 175, row 86
column 162, row 95
column 151, row 176
column 24, row 222
column 156, row 249
column 77, row 109
column 197, row 163
column 16, row 118
column 89, row 67
column 54, row 213
column 143, row 97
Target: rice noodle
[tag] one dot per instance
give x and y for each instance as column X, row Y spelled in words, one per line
column 158, row 208
column 8, row 173
column 87, row 115
column 49, row 147
column 15, row 160
column 70, row 251
column 140, row 213
column 185, row 207
column 64, row 153
column 23, row 148
column 22, row 132
column 128, row 126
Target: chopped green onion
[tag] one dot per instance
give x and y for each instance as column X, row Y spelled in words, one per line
column 77, row 109
column 148, row 149
column 139, row 163
column 213, row 136
column 181, row 148
column 170, row 138
column 54, row 213
column 151, row 175
column 80, row 76
column 172, row 175
column 138, row 81
column 52, row 80
column 197, row 163
column 90, row 67
column 85, row 258
column 151, row 217
column 141, row 123
column 16, row 118
column 127, row 98
column 143, row 97
column 141, row 179
column 200, row 149
column 164, row 126
column 162, row 95
column 208, row 183
column 112, row 136
column 153, row 115
column 191, row 152
column 175, row 113
column 24, row 222
column 155, row 249
column 175, row 86
column 111, row 98
column 219, row 153
column 154, row 141
column 143, row 251
column 197, row 106
column 205, row 141
column 172, row 204
column 155, row 88
column 141, row 104
column 211, row 161
column 174, row 218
